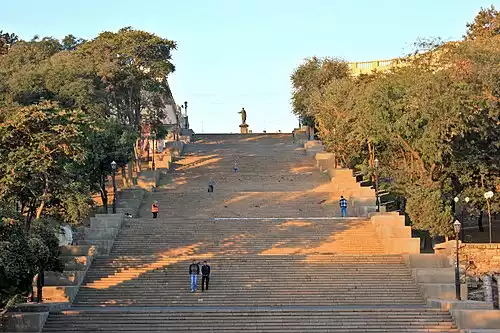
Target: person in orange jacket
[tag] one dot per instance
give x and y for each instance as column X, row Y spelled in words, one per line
column 154, row 209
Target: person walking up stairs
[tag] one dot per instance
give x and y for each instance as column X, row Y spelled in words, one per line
column 343, row 206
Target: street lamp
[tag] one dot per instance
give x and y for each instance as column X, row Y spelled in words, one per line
column 488, row 195
column 113, row 167
column 455, row 214
column 456, row 227
column 376, row 185
column 153, row 136
column 462, row 232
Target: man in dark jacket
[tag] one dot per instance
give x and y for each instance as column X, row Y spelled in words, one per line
column 205, row 275
column 194, row 271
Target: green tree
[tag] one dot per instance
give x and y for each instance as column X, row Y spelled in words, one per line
column 6, row 41
column 486, row 24
column 130, row 62
column 70, row 42
column 433, row 122
column 110, row 142
column 24, row 254
column 313, row 75
column 37, row 144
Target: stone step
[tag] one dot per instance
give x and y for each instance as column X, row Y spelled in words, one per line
column 390, row 320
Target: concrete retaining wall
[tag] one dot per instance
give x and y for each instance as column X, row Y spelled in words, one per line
column 312, row 147
column 362, row 200
column 434, row 275
column 485, row 257
column 395, row 236
column 472, row 316
column 24, row 322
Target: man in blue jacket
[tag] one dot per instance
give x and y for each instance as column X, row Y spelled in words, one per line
column 194, row 271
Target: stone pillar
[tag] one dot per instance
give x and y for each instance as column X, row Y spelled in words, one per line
column 497, row 278
column 244, row 129
column 488, row 289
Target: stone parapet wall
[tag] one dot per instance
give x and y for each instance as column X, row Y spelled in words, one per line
column 485, row 258
column 477, row 259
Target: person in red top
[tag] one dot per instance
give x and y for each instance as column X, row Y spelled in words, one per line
column 154, row 209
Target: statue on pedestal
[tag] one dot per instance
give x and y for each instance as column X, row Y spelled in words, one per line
column 243, row 116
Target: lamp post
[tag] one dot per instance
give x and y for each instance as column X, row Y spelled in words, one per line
column 462, row 230
column 456, row 227
column 488, row 195
column 153, row 136
column 113, row 167
column 376, row 185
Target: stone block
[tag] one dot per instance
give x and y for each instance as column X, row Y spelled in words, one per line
column 447, row 305
column 394, row 232
column 442, row 290
column 101, row 233
column 324, row 161
column 426, row 260
column 59, row 293
column 107, row 221
column 402, row 245
column 313, row 143
column 77, row 250
column 24, row 322
column 75, row 263
column 476, row 319
column 148, row 179
column 66, row 278
column 388, row 220
column 103, row 246
column 432, row 275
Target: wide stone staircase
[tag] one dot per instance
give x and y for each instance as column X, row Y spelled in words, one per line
column 282, row 260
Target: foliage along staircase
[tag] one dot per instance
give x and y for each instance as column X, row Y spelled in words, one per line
column 282, row 260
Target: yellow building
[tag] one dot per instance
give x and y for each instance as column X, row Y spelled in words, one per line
column 367, row 67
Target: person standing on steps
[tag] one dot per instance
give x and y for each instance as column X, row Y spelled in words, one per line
column 205, row 276
column 343, row 206
column 155, row 208
column 194, row 271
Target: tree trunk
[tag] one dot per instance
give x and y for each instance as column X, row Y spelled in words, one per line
column 39, row 285
column 138, row 155
column 124, row 177
column 480, row 221
column 39, row 210
column 29, row 216
column 44, row 199
column 104, row 194
column 137, row 108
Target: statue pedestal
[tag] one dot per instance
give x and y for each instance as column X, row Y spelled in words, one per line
column 244, row 129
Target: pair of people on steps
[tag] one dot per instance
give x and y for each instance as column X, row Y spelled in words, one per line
column 194, row 271
column 343, row 206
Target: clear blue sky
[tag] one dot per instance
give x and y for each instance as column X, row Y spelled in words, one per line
column 234, row 53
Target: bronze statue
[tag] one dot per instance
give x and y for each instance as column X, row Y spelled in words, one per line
column 243, row 116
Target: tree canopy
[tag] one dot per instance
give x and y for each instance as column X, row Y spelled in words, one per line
column 67, row 110
column 432, row 120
